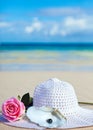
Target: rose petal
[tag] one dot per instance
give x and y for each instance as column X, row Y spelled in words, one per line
column 13, row 109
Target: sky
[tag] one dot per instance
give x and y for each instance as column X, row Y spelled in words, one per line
column 46, row 21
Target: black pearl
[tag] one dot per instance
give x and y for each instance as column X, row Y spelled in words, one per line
column 49, row 121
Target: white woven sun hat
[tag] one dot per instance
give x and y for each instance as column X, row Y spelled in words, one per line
column 59, row 95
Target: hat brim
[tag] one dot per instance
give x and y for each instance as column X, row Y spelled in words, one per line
column 81, row 118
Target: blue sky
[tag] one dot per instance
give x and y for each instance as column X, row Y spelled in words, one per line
column 46, row 20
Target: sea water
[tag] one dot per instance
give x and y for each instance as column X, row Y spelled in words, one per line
column 46, row 57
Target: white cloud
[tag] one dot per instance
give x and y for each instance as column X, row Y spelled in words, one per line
column 6, row 27
column 54, row 30
column 73, row 25
column 29, row 29
column 4, row 24
column 64, row 26
column 89, row 22
column 63, row 33
column 35, row 26
column 66, row 21
column 61, row 11
column 75, row 22
column 68, row 25
column 71, row 20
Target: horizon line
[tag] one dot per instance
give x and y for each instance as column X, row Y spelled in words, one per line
column 45, row 43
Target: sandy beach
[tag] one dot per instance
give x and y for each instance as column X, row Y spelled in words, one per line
column 19, row 83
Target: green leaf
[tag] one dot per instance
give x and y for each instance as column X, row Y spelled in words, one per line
column 31, row 101
column 26, row 99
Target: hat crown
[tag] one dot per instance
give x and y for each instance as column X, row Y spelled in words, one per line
column 56, row 94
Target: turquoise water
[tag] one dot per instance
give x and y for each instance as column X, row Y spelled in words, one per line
column 53, row 57
column 46, row 46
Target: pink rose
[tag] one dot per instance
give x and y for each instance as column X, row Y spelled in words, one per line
column 13, row 109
